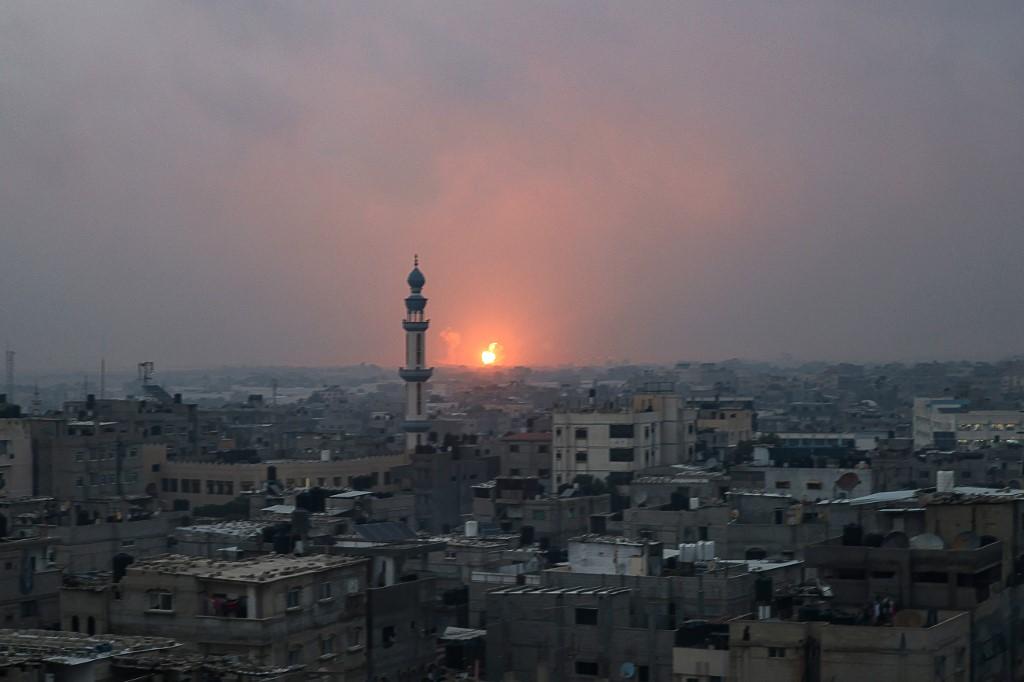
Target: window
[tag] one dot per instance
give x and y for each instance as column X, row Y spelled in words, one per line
column 814, row 485
column 539, row 515
column 352, row 586
column 327, row 645
column 542, row 449
column 776, row 652
column 620, row 454
column 387, row 636
column 513, row 448
column 581, row 457
column 782, row 484
column 586, row 616
column 355, row 638
column 581, row 434
column 293, row 599
column 586, row 668
column 295, row 655
column 326, row 591
column 620, row 431
column 161, row 601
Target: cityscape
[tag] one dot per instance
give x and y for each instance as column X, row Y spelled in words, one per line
column 581, row 342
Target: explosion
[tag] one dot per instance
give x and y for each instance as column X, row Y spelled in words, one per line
column 490, row 354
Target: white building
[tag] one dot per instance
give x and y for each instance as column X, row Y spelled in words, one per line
column 596, row 442
column 950, row 424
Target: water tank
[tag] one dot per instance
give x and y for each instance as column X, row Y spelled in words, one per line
column 944, row 481
column 763, row 590
column 710, row 548
column 472, row 529
column 853, row 535
column 702, row 551
column 694, row 503
column 688, row 552
column 325, row 455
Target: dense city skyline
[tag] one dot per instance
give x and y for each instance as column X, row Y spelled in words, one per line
column 200, row 184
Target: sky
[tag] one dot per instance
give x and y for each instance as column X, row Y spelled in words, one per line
column 205, row 183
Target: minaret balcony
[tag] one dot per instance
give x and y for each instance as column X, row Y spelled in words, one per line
column 415, row 374
column 415, row 325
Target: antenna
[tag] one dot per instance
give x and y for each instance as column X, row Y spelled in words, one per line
column 103, row 378
column 37, row 404
column 273, row 392
column 10, row 375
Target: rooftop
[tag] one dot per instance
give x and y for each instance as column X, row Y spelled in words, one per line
column 596, row 538
column 579, row 591
column 72, row 648
column 257, row 569
column 231, row 528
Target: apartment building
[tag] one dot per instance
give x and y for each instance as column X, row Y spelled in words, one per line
column 612, row 443
column 271, row 610
column 952, row 424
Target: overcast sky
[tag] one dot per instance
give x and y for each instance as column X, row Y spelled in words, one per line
column 198, row 183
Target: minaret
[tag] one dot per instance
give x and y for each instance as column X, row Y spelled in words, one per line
column 415, row 372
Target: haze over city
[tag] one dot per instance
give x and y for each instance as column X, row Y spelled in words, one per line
column 204, row 183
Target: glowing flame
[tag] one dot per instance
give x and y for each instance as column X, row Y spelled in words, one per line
column 490, row 355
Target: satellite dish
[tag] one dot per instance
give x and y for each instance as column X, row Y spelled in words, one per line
column 897, row 539
column 927, row 541
column 628, row 670
column 908, row 619
column 966, row 540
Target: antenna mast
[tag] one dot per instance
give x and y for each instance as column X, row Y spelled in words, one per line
column 9, row 357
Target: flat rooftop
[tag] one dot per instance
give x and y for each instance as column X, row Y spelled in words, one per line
column 226, row 528
column 598, row 539
column 578, row 591
column 257, row 569
column 72, row 648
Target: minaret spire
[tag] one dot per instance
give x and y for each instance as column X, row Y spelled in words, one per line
column 415, row 372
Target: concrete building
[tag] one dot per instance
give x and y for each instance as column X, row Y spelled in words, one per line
column 722, row 423
column 16, row 469
column 571, row 634
column 919, row 646
column 189, row 483
column 517, row 505
column 805, row 483
column 271, row 610
column 959, row 549
column 527, row 454
column 405, row 607
column 29, row 583
column 93, row 546
column 442, row 480
column 615, row 443
column 951, row 424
